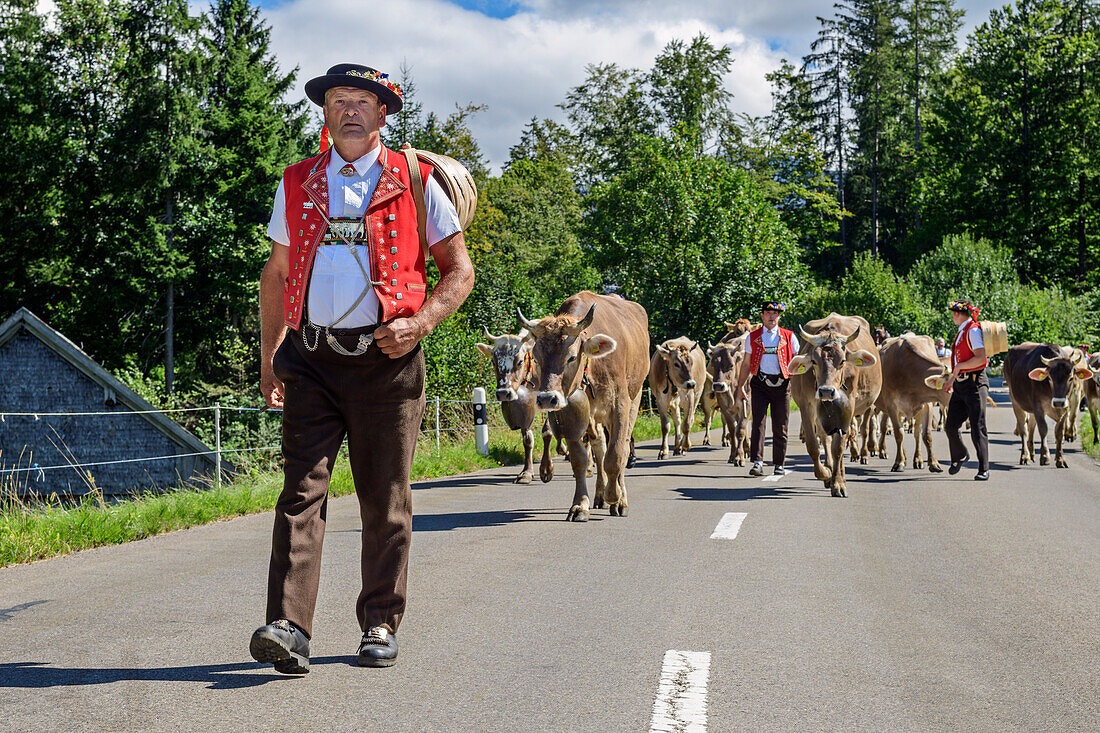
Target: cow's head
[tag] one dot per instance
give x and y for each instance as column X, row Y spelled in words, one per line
column 511, row 358
column 738, row 327
column 1094, row 367
column 1068, row 364
column 679, row 361
column 827, row 356
column 724, row 364
column 562, row 350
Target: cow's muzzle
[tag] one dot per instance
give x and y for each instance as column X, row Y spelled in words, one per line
column 826, row 393
column 689, row 384
column 506, row 394
column 1059, row 401
column 721, row 387
column 550, row 400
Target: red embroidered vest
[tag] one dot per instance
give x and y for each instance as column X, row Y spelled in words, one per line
column 962, row 351
column 395, row 260
column 784, row 352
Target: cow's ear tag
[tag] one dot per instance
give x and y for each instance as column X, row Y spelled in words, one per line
column 599, row 345
column 800, row 369
column 1084, row 374
column 1038, row 374
column 858, row 361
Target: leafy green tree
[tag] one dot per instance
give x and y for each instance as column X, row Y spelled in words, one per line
column 687, row 88
column 690, row 237
column 790, row 167
column 605, row 113
column 1013, row 144
column 32, row 254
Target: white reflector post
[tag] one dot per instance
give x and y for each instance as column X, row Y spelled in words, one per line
column 481, row 421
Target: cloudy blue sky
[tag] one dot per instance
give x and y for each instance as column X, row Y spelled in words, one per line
column 521, row 56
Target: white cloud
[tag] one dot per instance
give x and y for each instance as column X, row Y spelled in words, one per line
column 520, row 67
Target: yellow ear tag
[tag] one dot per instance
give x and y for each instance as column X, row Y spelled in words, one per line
column 858, row 362
column 801, row 369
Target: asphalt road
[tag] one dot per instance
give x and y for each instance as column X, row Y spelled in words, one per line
column 920, row 603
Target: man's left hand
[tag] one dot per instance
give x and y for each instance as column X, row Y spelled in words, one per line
column 398, row 337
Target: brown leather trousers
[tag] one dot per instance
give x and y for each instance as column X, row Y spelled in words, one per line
column 377, row 403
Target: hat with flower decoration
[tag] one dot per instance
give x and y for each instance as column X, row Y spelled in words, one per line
column 773, row 305
column 360, row 77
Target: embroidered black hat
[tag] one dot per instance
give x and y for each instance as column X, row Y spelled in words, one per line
column 360, row 77
column 773, row 305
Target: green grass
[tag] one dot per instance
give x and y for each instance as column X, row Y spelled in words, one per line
column 1085, row 432
column 32, row 531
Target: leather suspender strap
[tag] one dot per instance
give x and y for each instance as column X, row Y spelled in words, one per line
column 418, row 198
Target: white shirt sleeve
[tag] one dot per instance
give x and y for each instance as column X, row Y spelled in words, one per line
column 748, row 346
column 974, row 335
column 276, row 227
column 794, row 345
column 442, row 215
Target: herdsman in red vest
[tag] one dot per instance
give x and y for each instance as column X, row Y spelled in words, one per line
column 968, row 384
column 344, row 305
column 768, row 353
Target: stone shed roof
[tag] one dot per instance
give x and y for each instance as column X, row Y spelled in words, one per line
column 23, row 319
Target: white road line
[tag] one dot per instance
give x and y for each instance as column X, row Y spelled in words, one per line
column 728, row 526
column 681, row 704
column 776, row 477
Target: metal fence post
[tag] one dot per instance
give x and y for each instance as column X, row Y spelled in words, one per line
column 481, row 421
column 437, row 424
column 217, row 446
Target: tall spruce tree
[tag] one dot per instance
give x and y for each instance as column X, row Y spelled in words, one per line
column 824, row 68
column 874, row 91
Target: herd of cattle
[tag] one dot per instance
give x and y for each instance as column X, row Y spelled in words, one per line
column 584, row 368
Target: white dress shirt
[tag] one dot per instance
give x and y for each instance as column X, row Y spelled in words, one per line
column 769, row 363
column 335, row 280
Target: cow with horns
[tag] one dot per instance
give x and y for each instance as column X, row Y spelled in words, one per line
column 912, row 381
column 677, row 378
column 724, row 365
column 1039, row 379
column 593, row 357
column 516, row 374
column 835, row 379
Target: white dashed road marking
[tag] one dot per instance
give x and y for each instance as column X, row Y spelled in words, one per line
column 728, row 526
column 681, row 704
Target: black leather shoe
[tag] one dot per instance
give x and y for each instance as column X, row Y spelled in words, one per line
column 378, row 648
column 982, row 475
column 283, row 644
column 956, row 467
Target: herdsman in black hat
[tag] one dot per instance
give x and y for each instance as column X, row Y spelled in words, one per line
column 968, row 384
column 344, row 305
column 768, row 353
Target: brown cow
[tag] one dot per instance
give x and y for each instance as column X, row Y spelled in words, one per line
column 593, row 357
column 912, row 379
column 709, row 404
column 677, row 378
column 835, row 378
column 1092, row 397
column 1039, row 379
column 516, row 376
column 724, row 366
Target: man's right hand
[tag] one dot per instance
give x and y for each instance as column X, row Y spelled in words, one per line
column 272, row 389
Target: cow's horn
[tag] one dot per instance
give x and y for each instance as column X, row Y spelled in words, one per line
column 710, row 346
column 586, row 321
column 1046, row 361
column 529, row 325
column 854, row 336
column 816, row 340
column 490, row 336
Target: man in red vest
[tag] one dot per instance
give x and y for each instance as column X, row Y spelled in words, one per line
column 768, row 353
column 343, row 307
column 968, row 384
